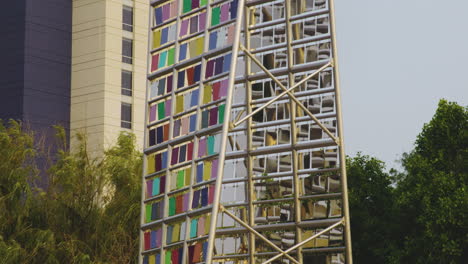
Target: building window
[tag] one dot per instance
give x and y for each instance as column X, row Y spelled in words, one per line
column 127, row 82
column 127, row 18
column 127, row 51
column 126, row 116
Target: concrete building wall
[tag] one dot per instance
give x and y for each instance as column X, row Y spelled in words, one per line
column 97, row 66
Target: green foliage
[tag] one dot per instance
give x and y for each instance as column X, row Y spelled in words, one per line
column 372, row 209
column 433, row 194
column 88, row 214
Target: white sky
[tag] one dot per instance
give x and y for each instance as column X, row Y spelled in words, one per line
column 397, row 59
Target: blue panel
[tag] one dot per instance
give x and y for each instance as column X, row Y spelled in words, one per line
column 158, row 15
column 164, row 160
column 164, row 35
column 227, row 62
column 181, row 79
column 183, row 52
column 213, row 40
column 200, row 172
column 193, row 123
column 234, row 5
column 194, row 99
column 197, row 73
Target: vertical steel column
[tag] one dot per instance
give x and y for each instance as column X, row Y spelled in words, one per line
column 145, row 131
column 293, row 131
column 248, row 100
column 224, row 137
column 344, row 180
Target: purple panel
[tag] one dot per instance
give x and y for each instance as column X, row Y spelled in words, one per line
column 213, row 116
column 202, row 21
column 214, row 168
column 184, row 27
column 225, row 12
column 202, row 148
column 152, row 115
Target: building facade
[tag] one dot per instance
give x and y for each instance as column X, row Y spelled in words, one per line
column 244, row 157
column 109, row 59
column 35, row 75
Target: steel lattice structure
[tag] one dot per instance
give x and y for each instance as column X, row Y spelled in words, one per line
column 244, row 158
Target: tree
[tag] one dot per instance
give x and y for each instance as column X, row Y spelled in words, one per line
column 433, row 194
column 89, row 213
column 372, row 209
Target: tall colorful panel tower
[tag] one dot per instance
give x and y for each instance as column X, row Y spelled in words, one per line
column 244, row 158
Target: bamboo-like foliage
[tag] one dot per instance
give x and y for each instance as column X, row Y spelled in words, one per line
column 89, row 212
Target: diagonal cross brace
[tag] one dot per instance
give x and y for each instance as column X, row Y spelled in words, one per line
column 290, row 94
column 305, row 241
column 242, row 223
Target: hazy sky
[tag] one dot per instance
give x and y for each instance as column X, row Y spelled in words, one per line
column 397, row 59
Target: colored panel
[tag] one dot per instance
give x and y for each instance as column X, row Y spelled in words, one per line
column 213, row 40
column 215, row 16
column 187, row 6
column 170, row 56
column 154, row 62
column 205, row 115
column 221, row 113
column 162, row 59
column 164, row 35
column 184, row 27
column 193, row 24
column 181, row 79
column 227, row 62
column 180, row 179
column 203, row 2
column 161, row 111
column 156, row 186
column 148, row 213
column 179, row 104
column 197, row 73
column 225, row 12
column 183, row 52
column 213, row 116
column 214, row 168
column 193, row 123
column 202, row 21
column 156, row 39
column 207, row 171
column 234, row 7
column 193, row 228
column 158, row 15
column 206, row 94
column 199, row 173
column 168, row 257
column 195, row 4
column 194, row 98
column 172, row 206
column 211, row 143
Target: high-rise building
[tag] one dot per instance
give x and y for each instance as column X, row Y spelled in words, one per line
column 109, row 59
column 244, row 158
column 35, row 73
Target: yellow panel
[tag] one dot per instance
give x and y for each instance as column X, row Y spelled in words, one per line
column 156, row 39
column 207, row 94
column 206, row 170
column 179, row 104
column 150, row 163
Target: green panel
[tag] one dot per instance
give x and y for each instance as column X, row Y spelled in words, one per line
column 193, row 228
column 221, row 114
column 148, row 213
column 187, row 6
column 170, row 57
column 180, row 179
column 203, row 2
column 168, row 257
column 215, row 15
column 161, row 111
column 172, row 206
column 211, row 142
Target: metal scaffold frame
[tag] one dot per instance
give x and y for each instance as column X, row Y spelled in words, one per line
column 228, row 126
